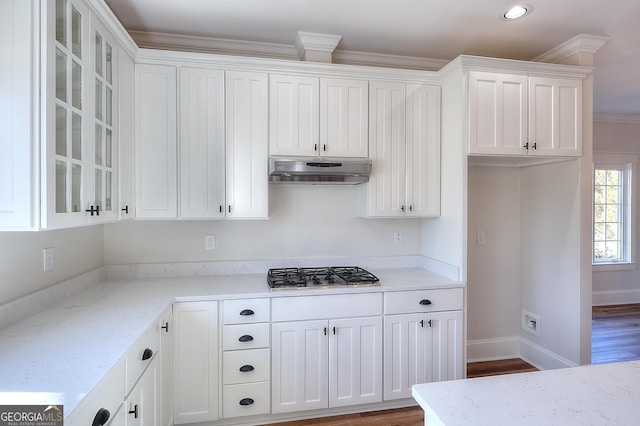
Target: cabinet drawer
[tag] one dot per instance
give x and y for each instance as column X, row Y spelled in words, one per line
column 107, row 395
column 243, row 311
column 245, row 336
column 330, row 306
column 245, row 399
column 400, row 302
column 246, row 366
column 140, row 354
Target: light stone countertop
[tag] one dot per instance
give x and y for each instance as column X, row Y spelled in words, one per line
column 59, row 354
column 589, row 395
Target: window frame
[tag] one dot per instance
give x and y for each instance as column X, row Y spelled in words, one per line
column 627, row 164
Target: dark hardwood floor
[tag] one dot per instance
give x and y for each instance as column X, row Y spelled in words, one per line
column 615, row 333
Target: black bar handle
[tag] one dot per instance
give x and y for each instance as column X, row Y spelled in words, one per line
column 245, row 338
column 526, row 146
column 246, row 368
column 134, row 411
column 246, row 401
column 534, row 145
column 425, row 302
column 422, row 323
column 126, row 209
column 101, row 418
column 334, row 331
column 97, row 210
column 165, row 327
column 148, row 353
column 247, row 312
column 430, row 324
column 325, row 331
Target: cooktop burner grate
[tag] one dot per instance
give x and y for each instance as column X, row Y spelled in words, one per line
column 320, row 277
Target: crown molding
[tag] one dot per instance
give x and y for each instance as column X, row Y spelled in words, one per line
column 579, row 44
column 315, row 41
column 616, row 118
column 348, row 57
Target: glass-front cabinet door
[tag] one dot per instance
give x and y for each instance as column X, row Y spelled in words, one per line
column 78, row 130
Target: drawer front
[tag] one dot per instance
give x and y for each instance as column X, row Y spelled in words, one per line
column 242, row 311
column 252, row 365
column 107, row 395
column 245, row 336
column 246, row 399
column 400, row 302
column 300, row 308
column 139, row 356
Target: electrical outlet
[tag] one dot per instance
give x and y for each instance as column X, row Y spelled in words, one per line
column 210, row 242
column 480, row 238
column 397, row 238
column 530, row 322
column 48, row 259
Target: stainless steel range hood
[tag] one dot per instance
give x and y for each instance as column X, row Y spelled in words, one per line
column 319, row 171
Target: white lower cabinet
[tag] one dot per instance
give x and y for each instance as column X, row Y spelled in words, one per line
column 195, row 362
column 142, row 406
column 326, row 363
column 422, row 346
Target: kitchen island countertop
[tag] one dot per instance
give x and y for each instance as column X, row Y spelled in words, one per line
column 589, row 395
column 59, row 354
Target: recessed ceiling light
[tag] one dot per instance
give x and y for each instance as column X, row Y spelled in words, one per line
column 517, row 12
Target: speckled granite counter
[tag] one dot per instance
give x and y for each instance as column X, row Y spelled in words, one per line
column 59, row 354
column 590, row 395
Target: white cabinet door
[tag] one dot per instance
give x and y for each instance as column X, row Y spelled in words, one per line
column 497, row 113
column 195, row 362
column 555, row 116
column 299, row 372
column 444, row 346
column 385, row 192
column 156, row 142
column 246, row 145
column 142, row 406
column 423, row 151
column 166, row 349
column 202, row 161
column 344, row 117
column 293, row 112
column 355, row 361
column 126, row 169
column 404, row 357
column 421, row 348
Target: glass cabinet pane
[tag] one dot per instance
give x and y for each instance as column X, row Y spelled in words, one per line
column 99, row 54
column 76, row 136
column 76, row 187
column 76, row 85
column 107, row 190
column 108, row 102
column 61, row 187
column 98, row 145
column 61, row 75
column 98, row 99
column 107, row 148
column 61, row 130
column 98, row 188
column 61, row 21
column 76, row 32
column 108, row 63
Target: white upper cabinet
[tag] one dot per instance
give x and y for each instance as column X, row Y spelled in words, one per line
column 247, row 177
column 312, row 116
column 521, row 115
column 404, row 147
column 126, row 171
column 202, row 161
column 156, row 142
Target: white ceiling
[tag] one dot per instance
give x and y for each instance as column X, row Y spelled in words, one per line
column 417, row 29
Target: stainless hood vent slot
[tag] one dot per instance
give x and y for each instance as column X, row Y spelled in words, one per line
column 327, row 171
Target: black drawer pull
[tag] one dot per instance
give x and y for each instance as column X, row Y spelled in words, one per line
column 165, row 327
column 148, row 353
column 134, row 411
column 101, row 418
column 245, row 338
column 246, row 368
column 246, row 312
column 425, row 302
column 246, row 401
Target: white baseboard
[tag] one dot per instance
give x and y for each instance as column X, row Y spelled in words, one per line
column 493, row 349
column 615, row 297
column 542, row 358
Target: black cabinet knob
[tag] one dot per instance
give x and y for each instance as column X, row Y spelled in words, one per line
column 246, row 401
column 246, row 368
column 101, row 418
column 245, row 338
column 148, row 353
column 425, row 302
column 247, row 312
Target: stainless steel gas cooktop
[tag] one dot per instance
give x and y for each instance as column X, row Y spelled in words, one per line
column 326, row 277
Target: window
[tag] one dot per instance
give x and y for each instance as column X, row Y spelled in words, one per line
column 612, row 209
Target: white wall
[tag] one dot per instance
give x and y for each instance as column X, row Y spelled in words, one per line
column 618, row 135
column 305, row 222
column 21, row 263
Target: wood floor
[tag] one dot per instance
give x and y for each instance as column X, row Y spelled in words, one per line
column 413, row 416
column 615, row 333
